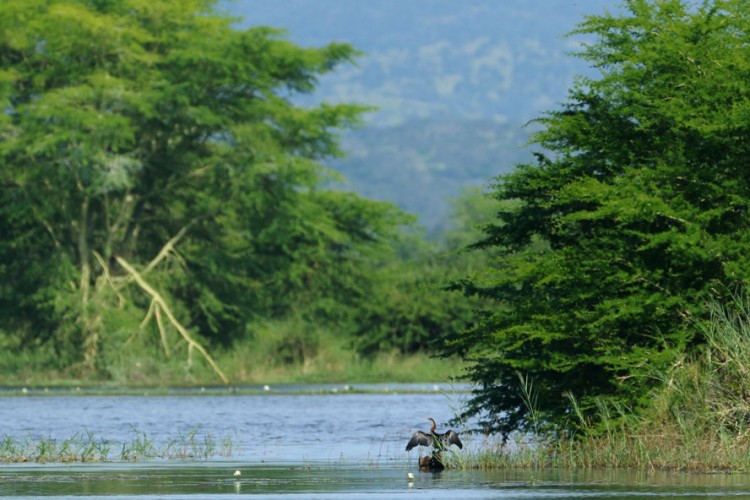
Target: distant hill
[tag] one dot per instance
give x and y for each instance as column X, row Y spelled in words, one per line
column 454, row 80
column 420, row 164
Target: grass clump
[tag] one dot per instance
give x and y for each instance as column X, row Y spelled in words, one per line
column 188, row 445
column 193, row 445
column 87, row 448
column 78, row 448
column 141, row 447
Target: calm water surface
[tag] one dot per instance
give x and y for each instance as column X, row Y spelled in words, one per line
column 277, row 427
column 310, row 445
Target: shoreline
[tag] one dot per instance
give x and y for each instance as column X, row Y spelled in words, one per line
column 230, row 390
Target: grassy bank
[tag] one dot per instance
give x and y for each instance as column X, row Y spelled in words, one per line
column 663, row 450
column 700, row 417
column 276, row 353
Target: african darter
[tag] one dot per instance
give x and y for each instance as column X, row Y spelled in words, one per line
column 437, row 441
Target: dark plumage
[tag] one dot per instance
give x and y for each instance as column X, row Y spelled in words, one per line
column 434, row 439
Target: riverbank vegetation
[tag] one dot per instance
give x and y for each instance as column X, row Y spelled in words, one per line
column 167, row 217
column 697, row 420
column 620, row 277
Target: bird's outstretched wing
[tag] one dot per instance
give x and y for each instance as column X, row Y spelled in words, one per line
column 450, row 438
column 419, row 439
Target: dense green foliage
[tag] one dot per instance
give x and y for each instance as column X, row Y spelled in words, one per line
column 157, row 176
column 637, row 211
column 696, row 420
column 413, row 311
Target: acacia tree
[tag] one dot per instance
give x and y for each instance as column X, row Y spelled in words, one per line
column 637, row 209
column 153, row 143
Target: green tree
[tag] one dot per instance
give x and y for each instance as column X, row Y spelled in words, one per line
column 410, row 310
column 151, row 159
column 637, row 210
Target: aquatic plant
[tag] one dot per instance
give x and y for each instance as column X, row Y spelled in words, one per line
column 191, row 445
column 141, row 447
column 86, row 447
column 78, row 448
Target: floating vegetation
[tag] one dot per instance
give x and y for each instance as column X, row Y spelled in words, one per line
column 85, row 447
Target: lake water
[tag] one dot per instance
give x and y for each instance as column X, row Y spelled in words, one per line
column 322, row 442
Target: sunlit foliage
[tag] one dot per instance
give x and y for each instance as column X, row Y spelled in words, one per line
column 635, row 212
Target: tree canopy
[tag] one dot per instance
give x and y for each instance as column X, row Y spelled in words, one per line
column 635, row 211
column 155, row 167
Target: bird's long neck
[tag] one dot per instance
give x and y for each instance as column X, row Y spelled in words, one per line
column 434, row 425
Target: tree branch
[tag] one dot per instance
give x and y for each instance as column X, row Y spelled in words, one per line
column 161, row 304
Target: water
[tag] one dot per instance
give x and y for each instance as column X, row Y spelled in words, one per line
column 151, row 481
column 282, row 426
column 291, row 443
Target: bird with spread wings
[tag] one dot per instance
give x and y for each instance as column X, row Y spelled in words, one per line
column 435, row 439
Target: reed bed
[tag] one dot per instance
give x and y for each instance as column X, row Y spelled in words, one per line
column 620, row 450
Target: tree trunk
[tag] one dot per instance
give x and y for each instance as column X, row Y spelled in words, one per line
column 90, row 335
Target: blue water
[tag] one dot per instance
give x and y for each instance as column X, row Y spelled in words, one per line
column 278, row 427
column 293, row 443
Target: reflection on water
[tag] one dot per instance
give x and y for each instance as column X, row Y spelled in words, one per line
column 288, row 443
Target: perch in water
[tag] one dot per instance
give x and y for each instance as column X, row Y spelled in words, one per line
column 434, row 439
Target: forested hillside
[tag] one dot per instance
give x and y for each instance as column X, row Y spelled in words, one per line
column 420, row 165
column 429, row 59
column 453, row 83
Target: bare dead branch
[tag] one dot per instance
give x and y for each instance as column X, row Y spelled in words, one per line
column 162, row 330
column 162, row 305
column 168, row 247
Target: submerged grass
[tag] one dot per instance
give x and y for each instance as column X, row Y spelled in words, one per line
column 78, row 448
column 87, row 448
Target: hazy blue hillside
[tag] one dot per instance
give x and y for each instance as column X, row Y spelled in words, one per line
column 479, row 62
column 420, row 164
